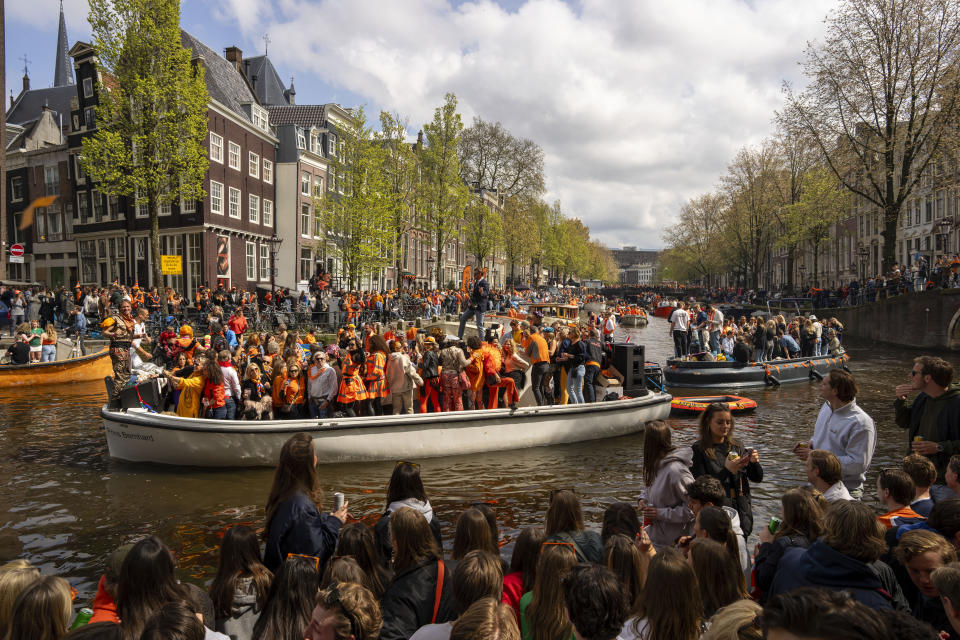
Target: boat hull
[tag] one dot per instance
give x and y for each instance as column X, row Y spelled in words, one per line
column 663, row 312
column 138, row 436
column 733, row 375
column 633, row 321
column 88, row 368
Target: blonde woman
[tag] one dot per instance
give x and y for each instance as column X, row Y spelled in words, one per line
column 15, row 576
column 48, row 344
column 257, row 401
column 41, row 611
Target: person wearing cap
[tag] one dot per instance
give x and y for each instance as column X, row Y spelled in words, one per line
column 187, row 343
column 429, row 371
column 477, row 305
column 105, row 600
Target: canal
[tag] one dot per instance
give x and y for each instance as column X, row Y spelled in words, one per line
column 66, row 504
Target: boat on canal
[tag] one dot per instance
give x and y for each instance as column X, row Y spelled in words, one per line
column 138, row 435
column 636, row 319
column 733, row 375
column 664, row 309
column 699, row 404
column 89, row 368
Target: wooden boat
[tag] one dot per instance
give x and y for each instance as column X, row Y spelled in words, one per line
column 140, row 436
column 87, row 368
column 633, row 319
column 699, row 404
column 731, row 375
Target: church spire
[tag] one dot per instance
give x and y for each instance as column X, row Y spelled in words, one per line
column 63, row 73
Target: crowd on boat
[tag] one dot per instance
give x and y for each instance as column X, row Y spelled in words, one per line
column 702, row 332
column 672, row 566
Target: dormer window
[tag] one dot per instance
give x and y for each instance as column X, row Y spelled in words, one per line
column 331, row 144
column 260, row 117
column 301, row 139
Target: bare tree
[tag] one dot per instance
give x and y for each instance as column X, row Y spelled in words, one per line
column 883, row 97
column 493, row 158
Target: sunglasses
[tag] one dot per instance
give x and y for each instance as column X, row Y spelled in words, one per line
column 416, row 465
column 314, row 559
column 332, row 599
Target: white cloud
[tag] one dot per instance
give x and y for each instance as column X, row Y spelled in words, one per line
column 638, row 105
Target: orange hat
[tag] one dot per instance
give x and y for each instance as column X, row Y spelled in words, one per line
column 186, row 330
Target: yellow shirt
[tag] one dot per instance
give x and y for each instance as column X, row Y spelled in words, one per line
column 191, row 390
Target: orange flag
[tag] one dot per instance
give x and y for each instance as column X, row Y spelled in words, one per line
column 27, row 218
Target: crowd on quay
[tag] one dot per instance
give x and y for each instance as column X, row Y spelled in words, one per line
column 673, row 566
column 702, row 331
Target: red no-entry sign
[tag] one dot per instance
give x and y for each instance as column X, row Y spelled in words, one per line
column 16, row 249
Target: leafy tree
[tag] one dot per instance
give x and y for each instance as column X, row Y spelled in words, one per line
column 521, row 236
column 357, row 222
column 442, row 195
column 400, row 171
column 152, row 115
column 883, row 99
column 493, row 158
column 694, row 241
column 482, row 229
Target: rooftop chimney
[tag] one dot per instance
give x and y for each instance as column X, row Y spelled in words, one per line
column 234, row 55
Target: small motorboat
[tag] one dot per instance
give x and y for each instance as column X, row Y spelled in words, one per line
column 88, row 368
column 735, row 375
column 698, row 404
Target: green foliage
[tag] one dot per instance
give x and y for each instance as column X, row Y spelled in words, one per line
column 482, row 230
column 152, row 116
column 521, row 235
column 400, row 171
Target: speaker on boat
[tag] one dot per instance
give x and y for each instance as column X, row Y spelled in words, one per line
column 628, row 358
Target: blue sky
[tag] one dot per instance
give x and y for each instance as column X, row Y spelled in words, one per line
column 639, row 105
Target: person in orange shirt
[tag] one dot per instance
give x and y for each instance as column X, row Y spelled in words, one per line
column 895, row 489
column 292, row 392
column 375, row 377
column 352, row 389
column 492, row 362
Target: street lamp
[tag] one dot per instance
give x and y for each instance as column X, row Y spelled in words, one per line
column 864, row 254
column 274, row 243
column 945, row 226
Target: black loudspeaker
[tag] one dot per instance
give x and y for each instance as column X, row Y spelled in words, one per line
column 628, row 359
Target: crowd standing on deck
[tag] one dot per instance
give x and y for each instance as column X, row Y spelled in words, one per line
column 673, row 566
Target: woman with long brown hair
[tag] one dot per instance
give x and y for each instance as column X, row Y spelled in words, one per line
column 147, row 582
column 405, row 489
column 718, row 454
column 421, row 590
column 718, row 575
column 356, row 541
column 670, row 607
column 622, row 556
column 565, row 524
column 293, row 522
column 239, row 590
column 543, row 611
column 666, row 474
column 41, row 611
column 802, row 524
column 522, row 573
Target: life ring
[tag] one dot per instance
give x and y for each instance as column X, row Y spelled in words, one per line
column 699, row 404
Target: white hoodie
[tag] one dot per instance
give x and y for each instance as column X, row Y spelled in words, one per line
column 741, row 542
column 413, row 503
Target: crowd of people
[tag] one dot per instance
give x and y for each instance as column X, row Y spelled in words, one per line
column 702, row 331
column 675, row 565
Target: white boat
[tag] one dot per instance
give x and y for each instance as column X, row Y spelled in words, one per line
column 140, row 436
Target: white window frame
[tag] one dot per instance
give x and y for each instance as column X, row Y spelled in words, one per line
column 143, row 208
column 331, row 144
column 267, row 212
column 301, row 138
column 306, row 213
column 254, row 210
column 251, row 262
column 165, row 209
column 233, row 204
column 305, row 182
column 216, row 197
column 188, row 206
column 317, row 186
column 16, row 180
column 264, row 262
column 216, row 147
column 254, row 164
column 88, row 87
column 260, row 117
column 268, row 171
column 233, row 155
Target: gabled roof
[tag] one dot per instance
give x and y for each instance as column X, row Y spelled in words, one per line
column 306, row 115
column 265, row 80
column 224, row 83
column 29, row 104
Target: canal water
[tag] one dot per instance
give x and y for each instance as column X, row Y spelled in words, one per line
column 66, row 504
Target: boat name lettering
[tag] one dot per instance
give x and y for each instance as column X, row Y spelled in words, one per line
column 129, row 436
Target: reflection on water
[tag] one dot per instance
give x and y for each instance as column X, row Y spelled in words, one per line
column 67, row 505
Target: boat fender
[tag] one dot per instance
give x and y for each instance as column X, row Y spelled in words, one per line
column 772, row 380
column 816, row 374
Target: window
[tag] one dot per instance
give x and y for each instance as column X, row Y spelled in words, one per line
column 254, row 210
column 315, row 145
column 260, row 117
column 165, row 208
column 193, row 260
column 254, row 165
column 234, row 158
column 188, row 206
column 301, row 139
column 216, row 198
column 90, row 117
column 331, row 144
column 264, row 262
column 929, row 211
column 234, row 203
column 97, row 205
column 306, row 260
column 268, row 212
column 143, row 210
column 331, row 181
column 305, row 183
column 267, row 171
column 76, row 122
column 51, row 180
column 216, row 148
column 16, row 189
column 251, row 261
column 317, row 186
column 88, row 87
column 305, row 219
column 83, row 206
column 78, row 169
column 113, row 208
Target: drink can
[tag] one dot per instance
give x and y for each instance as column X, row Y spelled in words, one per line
column 732, row 455
column 338, row 499
column 774, row 524
column 918, row 438
column 83, row 617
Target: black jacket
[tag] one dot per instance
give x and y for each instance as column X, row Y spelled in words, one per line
column 948, row 426
column 736, row 488
column 297, row 527
column 381, row 535
column 429, row 364
column 410, row 599
column 768, row 560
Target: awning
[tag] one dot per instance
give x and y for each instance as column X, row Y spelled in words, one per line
column 407, row 274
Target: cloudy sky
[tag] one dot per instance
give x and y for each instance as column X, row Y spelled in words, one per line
column 638, row 105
